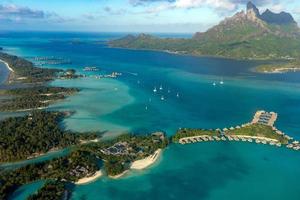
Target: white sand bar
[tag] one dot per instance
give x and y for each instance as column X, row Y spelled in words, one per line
column 146, row 162
column 86, row 180
column 8, row 67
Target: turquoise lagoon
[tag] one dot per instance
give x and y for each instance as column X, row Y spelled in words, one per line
column 199, row 171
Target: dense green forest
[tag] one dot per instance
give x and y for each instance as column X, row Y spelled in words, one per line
column 76, row 165
column 83, row 161
column 39, row 132
column 25, row 68
column 137, row 147
column 33, row 97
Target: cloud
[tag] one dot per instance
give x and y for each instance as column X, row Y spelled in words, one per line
column 155, row 6
column 143, row 2
column 112, row 11
column 14, row 11
column 256, row 2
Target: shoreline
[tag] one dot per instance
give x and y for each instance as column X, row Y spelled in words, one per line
column 7, row 65
column 89, row 179
column 140, row 164
column 119, row 175
column 146, row 162
column 9, row 77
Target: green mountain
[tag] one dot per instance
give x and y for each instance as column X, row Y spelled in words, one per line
column 246, row 35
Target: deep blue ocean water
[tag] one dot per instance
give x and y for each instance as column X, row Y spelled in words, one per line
column 199, row 171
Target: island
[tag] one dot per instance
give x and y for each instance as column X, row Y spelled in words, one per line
column 29, row 89
column 281, row 67
column 36, row 134
column 90, row 158
column 260, row 130
column 86, row 161
column 248, row 35
column 31, row 98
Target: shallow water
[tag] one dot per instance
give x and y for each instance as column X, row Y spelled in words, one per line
column 199, row 171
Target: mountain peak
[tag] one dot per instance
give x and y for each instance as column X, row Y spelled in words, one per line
column 277, row 18
column 251, row 7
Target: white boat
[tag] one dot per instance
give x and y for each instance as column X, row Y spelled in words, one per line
column 162, row 98
column 214, row 84
column 155, row 90
column 177, row 95
column 222, row 82
column 146, row 107
column 160, row 88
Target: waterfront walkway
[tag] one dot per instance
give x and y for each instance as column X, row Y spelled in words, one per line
column 242, row 138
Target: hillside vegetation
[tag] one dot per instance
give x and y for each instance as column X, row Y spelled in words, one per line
column 246, row 35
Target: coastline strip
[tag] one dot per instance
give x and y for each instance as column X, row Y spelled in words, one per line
column 119, row 175
column 89, row 179
column 7, row 65
column 146, row 162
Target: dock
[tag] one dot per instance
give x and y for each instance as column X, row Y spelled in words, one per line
column 265, row 118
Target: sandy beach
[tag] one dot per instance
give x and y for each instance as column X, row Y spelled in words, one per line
column 8, row 67
column 119, row 175
column 146, row 162
column 86, row 180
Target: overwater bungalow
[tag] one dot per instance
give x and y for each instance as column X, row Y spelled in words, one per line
column 278, row 144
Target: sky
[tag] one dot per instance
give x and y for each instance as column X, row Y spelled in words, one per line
column 178, row 16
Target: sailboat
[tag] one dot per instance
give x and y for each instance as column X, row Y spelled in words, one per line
column 222, row 82
column 155, row 90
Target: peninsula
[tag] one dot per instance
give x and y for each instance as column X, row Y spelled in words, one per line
column 260, row 130
column 281, row 67
column 29, row 89
column 87, row 162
